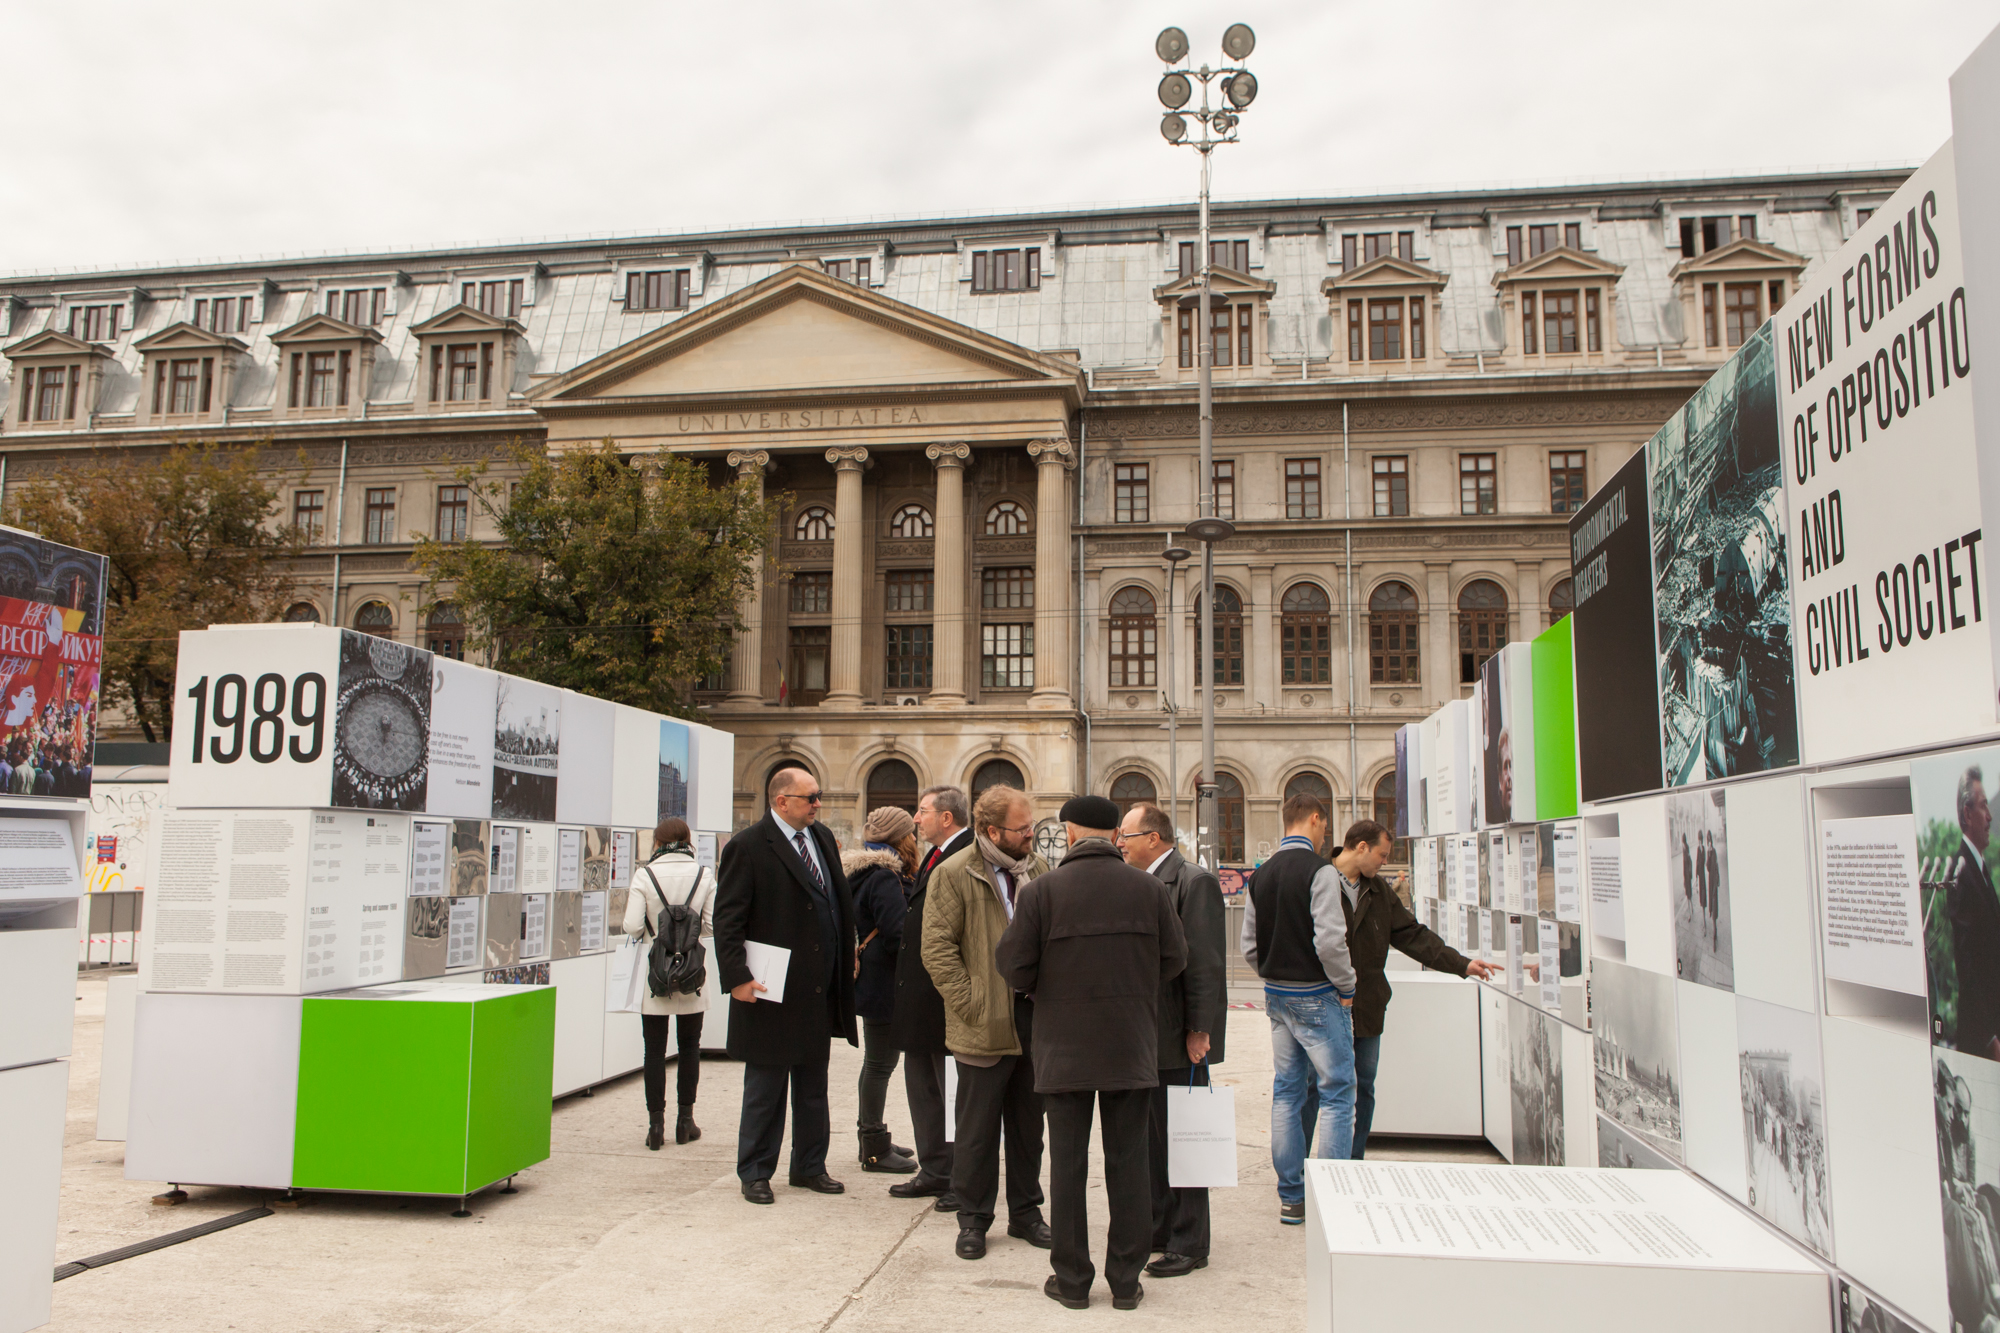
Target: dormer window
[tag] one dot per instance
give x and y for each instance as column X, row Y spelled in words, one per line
column 1387, row 303
column 500, row 298
column 222, row 314
column 362, row 307
column 1232, row 254
column 326, row 364
column 467, row 357
column 183, row 386
column 462, row 372
column 48, row 393
column 1728, row 292
column 56, row 381
column 1007, row 270
column 1559, row 302
column 849, row 270
column 1558, row 329
column 94, row 323
column 1540, row 238
column 188, row 373
column 1359, row 247
column 661, row 289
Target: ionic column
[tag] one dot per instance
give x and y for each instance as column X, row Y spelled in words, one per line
column 844, row 669
column 746, row 659
column 948, row 565
column 1053, row 668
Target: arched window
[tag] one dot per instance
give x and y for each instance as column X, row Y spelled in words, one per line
column 1482, row 626
column 911, row 521
column 375, row 618
column 1312, row 784
column 893, row 782
column 1134, row 639
column 445, row 631
column 1229, row 819
column 1392, row 635
column 1132, row 788
column 1228, row 640
column 302, row 613
column 1306, row 635
column 1006, row 519
column 815, row 524
column 1384, row 812
column 1562, row 600
column 996, row 773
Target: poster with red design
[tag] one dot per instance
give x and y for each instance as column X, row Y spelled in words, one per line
column 51, row 657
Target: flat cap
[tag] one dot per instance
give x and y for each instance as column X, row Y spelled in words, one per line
column 1092, row 812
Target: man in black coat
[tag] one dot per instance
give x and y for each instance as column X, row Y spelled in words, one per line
column 780, row 884
column 1093, row 941
column 917, row 1023
column 1194, row 1013
column 1975, row 924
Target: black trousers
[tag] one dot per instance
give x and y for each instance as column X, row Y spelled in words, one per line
column 995, row 1103
column 687, row 1068
column 1180, row 1217
column 1125, row 1182
column 923, row 1084
column 762, row 1127
column 878, row 1062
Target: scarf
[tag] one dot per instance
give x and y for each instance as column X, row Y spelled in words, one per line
column 1015, row 866
column 685, row 849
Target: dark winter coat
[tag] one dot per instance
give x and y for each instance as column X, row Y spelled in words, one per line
column 1376, row 921
column 876, row 876
column 1198, row 999
column 1975, row 944
column 917, row 1024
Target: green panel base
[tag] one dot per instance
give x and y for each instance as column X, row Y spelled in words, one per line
column 423, row 1092
column 1555, row 722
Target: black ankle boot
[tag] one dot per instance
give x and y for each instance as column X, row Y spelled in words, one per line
column 656, row 1131
column 685, row 1129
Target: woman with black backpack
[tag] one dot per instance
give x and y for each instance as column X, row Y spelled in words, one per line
column 671, row 879
column 880, row 874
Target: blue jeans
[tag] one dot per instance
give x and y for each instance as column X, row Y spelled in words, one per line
column 1367, row 1058
column 1312, row 1053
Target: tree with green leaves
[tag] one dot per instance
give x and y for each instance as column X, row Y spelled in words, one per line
column 614, row 577
column 191, row 537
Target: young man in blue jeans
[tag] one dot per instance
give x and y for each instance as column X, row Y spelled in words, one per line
column 1295, row 936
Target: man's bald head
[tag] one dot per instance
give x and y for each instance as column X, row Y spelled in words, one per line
column 785, row 781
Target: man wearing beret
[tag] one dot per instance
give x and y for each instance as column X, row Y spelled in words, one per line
column 1092, row 941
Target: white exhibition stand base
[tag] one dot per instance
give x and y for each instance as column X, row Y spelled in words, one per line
column 32, row 1105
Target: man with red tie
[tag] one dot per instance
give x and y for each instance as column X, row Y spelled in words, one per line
column 917, row 1023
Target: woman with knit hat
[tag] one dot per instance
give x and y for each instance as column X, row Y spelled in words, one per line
column 880, row 874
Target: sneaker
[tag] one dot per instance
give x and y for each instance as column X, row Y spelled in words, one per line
column 1292, row 1214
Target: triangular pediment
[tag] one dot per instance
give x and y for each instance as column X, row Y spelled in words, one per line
column 1558, row 262
column 463, row 318
column 1226, row 282
column 1741, row 256
column 324, row 328
column 186, row 336
column 801, row 330
column 52, row 343
column 1387, row 271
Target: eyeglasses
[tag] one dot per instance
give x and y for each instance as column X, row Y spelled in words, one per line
column 1025, row 828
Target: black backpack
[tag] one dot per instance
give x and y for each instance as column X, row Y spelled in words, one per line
column 676, row 964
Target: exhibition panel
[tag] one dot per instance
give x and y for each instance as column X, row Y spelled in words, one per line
column 214, row 1089
column 31, row 1109
column 1428, row 1081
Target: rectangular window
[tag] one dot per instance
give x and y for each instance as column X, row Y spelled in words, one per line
column 1133, row 643
column 1513, row 246
column 322, row 370
column 907, row 657
column 1542, row 238
column 1392, row 486
column 309, row 515
column 1566, row 493
column 1301, row 488
column 1711, row 332
column 378, row 511
column 1861, row 216
column 1007, row 657
column 53, row 390
column 1225, row 488
column 190, row 384
column 664, row 289
column 1746, row 227
column 1132, row 493
column 1573, row 235
column 812, row 593
column 1406, row 246
column 1356, row 331
column 1714, row 233
column 806, row 682
column 1777, row 294
column 1218, row 328
column 1385, row 330
column 1688, row 247
column 222, row 314
column 501, row 299
column 454, row 513
column 1184, row 329
column 1742, row 309
column 1243, row 338
column 1417, row 328
column 467, row 371
column 1007, row 270
column 1559, row 322
column 1375, row 244
column 1528, row 340
column 909, row 590
column 94, row 323
column 1350, row 250
column 1008, row 589
column 1221, row 254
column 356, row 305
column 1593, row 328
column 1478, row 486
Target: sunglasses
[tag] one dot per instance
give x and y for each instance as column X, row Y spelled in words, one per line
column 810, row 798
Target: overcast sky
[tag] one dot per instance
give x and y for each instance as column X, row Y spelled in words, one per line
column 147, row 133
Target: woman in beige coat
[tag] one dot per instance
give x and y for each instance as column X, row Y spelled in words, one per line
column 671, row 878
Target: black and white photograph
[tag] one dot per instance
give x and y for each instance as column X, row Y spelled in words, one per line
column 1619, row 1147
column 1637, row 1053
column 1722, row 596
column 1966, row 1095
column 1861, row 1312
column 426, row 940
column 1536, row 1087
column 527, row 731
column 521, row 974
column 381, row 725
column 1956, row 857
column 1698, row 880
column 1496, row 741
column 469, row 857
column 596, row 859
column 1784, row 1119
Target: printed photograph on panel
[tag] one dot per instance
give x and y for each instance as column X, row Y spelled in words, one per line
column 596, row 859
column 424, row 944
column 1535, row 1078
column 1618, row 1147
column 52, row 622
column 1955, row 861
column 1863, row 1313
column 381, row 725
column 1496, row 740
column 1698, row 871
column 1545, row 872
column 673, row 770
column 1966, row 1093
column 1784, row 1119
column 469, row 857
column 1637, row 1051
column 1728, row 701
column 527, row 729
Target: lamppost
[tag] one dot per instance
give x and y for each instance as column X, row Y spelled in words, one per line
column 1217, row 126
column 1173, row 555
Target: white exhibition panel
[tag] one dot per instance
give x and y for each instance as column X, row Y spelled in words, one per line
column 1579, row 1098
column 1771, row 892
column 1428, row 1082
column 579, row 1054
column 624, row 1044
column 714, row 795
column 1649, row 908
column 1654, row 1247
column 1495, row 1083
column 114, row 1075
column 33, row 1101
column 1882, row 1164
column 583, row 796
column 37, row 994
column 215, row 1089
column 1711, row 1088
column 635, row 767
column 211, row 763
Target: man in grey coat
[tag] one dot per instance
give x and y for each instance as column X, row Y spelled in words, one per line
column 1194, row 1008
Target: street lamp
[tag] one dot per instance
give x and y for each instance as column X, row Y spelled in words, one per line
column 1214, row 126
column 1173, row 555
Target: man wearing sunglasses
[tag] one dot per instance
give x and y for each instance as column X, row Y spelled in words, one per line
column 780, row 884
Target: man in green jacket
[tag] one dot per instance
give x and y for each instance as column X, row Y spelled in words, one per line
column 988, row 1028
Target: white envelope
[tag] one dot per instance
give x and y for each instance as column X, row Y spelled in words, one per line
column 768, row 963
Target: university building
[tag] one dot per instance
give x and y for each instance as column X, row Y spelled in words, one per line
column 986, row 428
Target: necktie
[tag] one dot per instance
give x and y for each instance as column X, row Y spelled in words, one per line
column 812, row 867
column 932, row 859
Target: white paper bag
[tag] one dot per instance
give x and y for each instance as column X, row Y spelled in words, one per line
column 1201, row 1138
column 625, row 984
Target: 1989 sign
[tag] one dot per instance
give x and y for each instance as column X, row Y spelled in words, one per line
column 256, row 714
